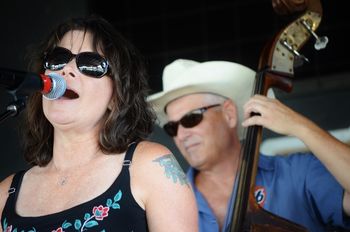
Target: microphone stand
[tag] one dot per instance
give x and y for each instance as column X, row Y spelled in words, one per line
column 13, row 109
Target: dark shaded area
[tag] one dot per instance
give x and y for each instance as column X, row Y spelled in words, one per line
column 222, row 30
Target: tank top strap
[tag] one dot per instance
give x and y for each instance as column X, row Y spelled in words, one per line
column 13, row 192
column 16, row 183
column 129, row 154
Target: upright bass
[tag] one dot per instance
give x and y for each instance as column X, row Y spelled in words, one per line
column 275, row 69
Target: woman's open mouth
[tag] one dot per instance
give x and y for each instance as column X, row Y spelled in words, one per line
column 70, row 94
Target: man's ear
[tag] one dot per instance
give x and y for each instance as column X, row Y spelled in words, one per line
column 230, row 112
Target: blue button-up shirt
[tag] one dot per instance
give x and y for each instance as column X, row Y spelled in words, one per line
column 297, row 187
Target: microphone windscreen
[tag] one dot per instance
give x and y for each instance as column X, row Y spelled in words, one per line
column 58, row 87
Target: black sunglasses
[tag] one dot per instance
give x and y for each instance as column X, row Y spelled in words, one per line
column 189, row 120
column 88, row 63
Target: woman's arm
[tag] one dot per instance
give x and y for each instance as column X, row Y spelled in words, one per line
column 161, row 185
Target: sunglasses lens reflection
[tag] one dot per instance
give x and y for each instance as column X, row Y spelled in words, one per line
column 88, row 63
column 92, row 64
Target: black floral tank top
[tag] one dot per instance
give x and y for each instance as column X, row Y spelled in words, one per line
column 115, row 210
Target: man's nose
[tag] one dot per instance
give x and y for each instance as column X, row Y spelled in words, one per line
column 183, row 133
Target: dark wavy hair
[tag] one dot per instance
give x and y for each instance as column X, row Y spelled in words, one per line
column 130, row 119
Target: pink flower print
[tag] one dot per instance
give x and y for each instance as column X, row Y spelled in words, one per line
column 58, row 230
column 100, row 212
column 8, row 228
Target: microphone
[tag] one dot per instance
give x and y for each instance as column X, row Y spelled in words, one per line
column 21, row 83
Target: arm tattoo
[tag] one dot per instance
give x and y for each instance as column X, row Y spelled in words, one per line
column 172, row 168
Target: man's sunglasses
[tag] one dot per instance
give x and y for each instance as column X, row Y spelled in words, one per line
column 88, row 63
column 189, row 120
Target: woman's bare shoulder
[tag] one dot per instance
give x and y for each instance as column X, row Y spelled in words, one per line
column 161, row 185
column 150, row 148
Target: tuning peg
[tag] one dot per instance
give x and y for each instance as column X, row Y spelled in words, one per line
column 321, row 42
column 299, row 58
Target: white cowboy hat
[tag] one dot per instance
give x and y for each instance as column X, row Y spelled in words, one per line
column 183, row 77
